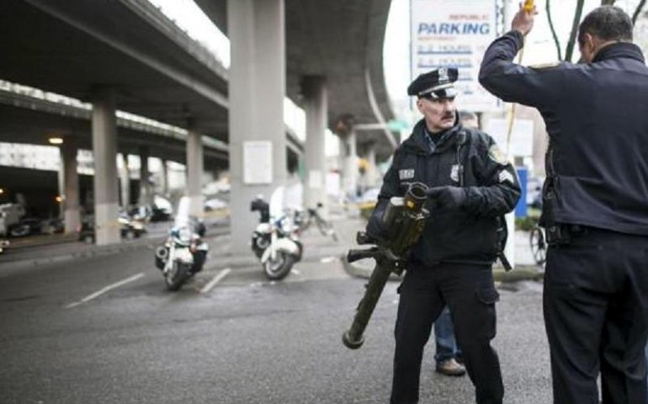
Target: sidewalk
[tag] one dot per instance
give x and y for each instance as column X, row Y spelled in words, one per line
column 40, row 250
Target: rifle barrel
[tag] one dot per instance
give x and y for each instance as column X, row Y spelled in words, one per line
column 353, row 338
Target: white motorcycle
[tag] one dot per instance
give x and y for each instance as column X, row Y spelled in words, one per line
column 184, row 252
column 3, row 245
column 275, row 242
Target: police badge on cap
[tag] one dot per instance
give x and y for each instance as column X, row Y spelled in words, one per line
column 436, row 84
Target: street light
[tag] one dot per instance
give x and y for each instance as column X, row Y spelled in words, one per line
column 55, row 140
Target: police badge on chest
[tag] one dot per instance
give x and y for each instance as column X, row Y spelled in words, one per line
column 454, row 172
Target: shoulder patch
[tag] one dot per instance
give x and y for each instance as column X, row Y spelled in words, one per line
column 542, row 66
column 497, row 155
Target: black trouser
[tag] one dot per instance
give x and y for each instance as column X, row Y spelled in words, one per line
column 469, row 292
column 199, row 260
column 596, row 314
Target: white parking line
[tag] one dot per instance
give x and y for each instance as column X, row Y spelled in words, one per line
column 104, row 290
column 220, row 275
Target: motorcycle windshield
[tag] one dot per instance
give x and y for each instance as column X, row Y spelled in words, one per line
column 184, row 220
column 182, row 216
column 285, row 197
column 277, row 203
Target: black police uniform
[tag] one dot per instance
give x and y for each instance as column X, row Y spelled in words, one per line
column 595, row 212
column 452, row 262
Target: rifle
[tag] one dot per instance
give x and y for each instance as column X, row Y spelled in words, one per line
column 404, row 220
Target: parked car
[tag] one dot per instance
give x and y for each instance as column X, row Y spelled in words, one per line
column 162, row 210
column 128, row 228
column 52, row 226
column 25, row 227
column 215, row 204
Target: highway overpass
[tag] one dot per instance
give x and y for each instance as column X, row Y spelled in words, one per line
column 126, row 55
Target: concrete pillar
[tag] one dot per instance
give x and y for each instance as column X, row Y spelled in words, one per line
column 194, row 173
column 104, row 146
column 349, row 164
column 256, row 93
column 124, row 178
column 373, row 176
column 61, row 184
column 316, row 108
column 70, row 203
column 164, row 178
column 145, row 195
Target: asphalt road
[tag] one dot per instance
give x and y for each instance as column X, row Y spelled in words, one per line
column 104, row 330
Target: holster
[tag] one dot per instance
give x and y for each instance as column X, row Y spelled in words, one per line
column 557, row 234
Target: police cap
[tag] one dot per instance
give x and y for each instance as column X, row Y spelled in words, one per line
column 435, row 84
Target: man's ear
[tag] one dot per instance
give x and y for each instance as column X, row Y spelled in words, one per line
column 419, row 104
column 588, row 45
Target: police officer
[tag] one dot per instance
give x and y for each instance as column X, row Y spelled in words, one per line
column 595, row 202
column 472, row 186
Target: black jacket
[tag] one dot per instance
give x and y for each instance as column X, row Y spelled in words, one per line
column 597, row 119
column 470, row 233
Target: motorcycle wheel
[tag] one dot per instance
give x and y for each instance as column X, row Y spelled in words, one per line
column 176, row 276
column 279, row 268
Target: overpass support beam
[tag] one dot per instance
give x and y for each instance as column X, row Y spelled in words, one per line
column 349, row 164
column 257, row 87
column 104, row 146
column 314, row 90
column 124, row 178
column 372, row 174
column 194, row 173
column 164, row 178
column 72, row 214
column 145, row 197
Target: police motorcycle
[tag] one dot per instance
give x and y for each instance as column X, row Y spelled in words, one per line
column 184, row 252
column 275, row 241
column 3, row 245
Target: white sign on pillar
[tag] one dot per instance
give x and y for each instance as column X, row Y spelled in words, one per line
column 315, row 179
column 455, row 33
column 257, row 162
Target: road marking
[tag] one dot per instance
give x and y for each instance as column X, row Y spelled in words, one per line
column 106, row 289
column 220, row 275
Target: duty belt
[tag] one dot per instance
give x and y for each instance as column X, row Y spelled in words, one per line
column 561, row 234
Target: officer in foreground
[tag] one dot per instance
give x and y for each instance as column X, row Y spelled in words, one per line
column 595, row 202
column 472, row 186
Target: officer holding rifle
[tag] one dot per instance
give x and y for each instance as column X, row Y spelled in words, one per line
column 470, row 187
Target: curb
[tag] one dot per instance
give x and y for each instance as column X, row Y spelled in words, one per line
column 520, row 273
column 91, row 251
column 36, row 262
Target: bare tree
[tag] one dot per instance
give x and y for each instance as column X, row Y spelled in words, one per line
column 607, row 2
column 553, row 29
column 635, row 15
column 572, row 36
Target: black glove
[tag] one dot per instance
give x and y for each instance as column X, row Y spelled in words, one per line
column 448, row 197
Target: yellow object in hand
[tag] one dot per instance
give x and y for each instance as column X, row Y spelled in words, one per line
column 528, row 6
